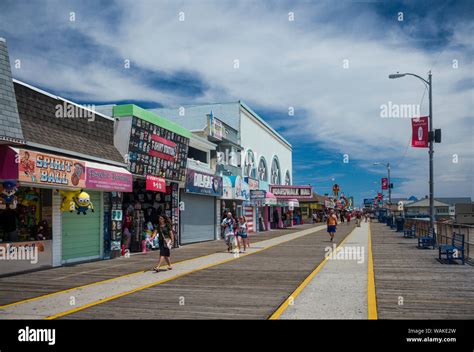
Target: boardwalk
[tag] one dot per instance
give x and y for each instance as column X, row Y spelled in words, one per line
column 412, row 284
column 248, row 287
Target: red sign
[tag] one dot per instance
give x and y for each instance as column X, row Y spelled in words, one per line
column 384, row 183
column 156, row 184
column 379, row 196
column 419, row 136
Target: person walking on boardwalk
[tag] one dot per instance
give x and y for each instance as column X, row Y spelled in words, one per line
column 165, row 235
column 348, row 217
column 332, row 223
column 228, row 225
column 242, row 233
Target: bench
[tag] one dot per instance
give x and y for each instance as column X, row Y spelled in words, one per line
column 426, row 242
column 409, row 233
column 453, row 251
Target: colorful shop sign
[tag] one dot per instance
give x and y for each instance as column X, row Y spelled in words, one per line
column 253, row 183
column 51, row 170
column 216, row 129
column 157, row 184
column 241, row 188
column 257, row 195
column 108, row 179
column 154, row 150
column 202, row 183
column 227, row 188
column 292, row 192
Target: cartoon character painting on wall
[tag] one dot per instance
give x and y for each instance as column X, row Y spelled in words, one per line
column 83, row 203
column 28, row 165
column 7, row 197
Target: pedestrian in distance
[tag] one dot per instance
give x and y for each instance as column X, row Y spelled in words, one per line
column 332, row 223
column 348, row 217
column 228, row 224
column 242, row 233
column 165, row 234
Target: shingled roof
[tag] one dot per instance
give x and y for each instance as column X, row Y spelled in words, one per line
column 89, row 135
column 10, row 128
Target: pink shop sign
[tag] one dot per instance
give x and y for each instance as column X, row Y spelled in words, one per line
column 108, row 180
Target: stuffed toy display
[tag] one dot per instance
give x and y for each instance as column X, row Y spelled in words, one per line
column 7, row 197
column 83, row 203
column 67, row 200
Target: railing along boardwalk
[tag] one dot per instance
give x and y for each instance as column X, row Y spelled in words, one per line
column 444, row 233
column 411, row 284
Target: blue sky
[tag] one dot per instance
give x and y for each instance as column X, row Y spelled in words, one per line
column 330, row 64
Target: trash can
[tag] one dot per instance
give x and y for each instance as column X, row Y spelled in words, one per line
column 400, row 224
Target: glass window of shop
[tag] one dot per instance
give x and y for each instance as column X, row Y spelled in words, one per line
column 30, row 219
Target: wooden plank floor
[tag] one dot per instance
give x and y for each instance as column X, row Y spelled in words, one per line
column 251, row 287
column 24, row 286
column 429, row 289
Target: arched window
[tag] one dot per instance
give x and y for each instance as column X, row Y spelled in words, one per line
column 287, row 178
column 250, row 166
column 275, row 173
column 262, row 170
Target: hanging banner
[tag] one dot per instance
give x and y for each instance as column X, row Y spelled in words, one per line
column 51, row 170
column 384, row 183
column 226, row 188
column 201, row 183
column 379, row 196
column 156, row 184
column 419, row 137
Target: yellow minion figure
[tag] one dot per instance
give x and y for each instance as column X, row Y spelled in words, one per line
column 83, row 203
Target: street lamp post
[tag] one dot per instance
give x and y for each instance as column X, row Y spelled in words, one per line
column 430, row 138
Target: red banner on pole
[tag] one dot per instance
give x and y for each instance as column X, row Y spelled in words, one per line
column 419, row 136
column 379, row 196
column 384, row 183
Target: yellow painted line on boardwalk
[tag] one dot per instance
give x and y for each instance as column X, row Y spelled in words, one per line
column 371, row 296
column 291, row 298
column 105, row 281
column 141, row 288
column 92, row 284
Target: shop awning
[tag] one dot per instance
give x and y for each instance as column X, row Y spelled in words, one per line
column 108, row 178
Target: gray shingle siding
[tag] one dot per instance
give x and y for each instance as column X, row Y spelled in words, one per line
column 9, row 117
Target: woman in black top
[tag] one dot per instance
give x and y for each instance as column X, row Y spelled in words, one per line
column 165, row 240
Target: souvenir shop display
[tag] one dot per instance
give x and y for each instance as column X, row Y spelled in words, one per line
column 141, row 210
column 154, row 150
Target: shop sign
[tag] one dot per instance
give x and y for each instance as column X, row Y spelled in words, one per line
column 257, row 195
column 157, row 184
column 201, row 183
column 216, row 129
column 156, row 151
column 292, row 192
column 253, row 183
column 227, row 189
column 241, row 189
column 108, row 180
column 51, row 170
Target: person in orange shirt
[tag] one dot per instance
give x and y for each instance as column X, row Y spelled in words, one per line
column 332, row 223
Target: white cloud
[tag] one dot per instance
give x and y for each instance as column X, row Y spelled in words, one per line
column 284, row 64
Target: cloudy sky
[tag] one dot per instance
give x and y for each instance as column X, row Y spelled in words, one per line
column 328, row 60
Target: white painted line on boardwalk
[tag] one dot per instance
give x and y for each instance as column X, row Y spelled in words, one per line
column 70, row 301
column 339, row 290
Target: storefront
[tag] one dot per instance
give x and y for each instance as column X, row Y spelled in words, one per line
column 288, row 198
column 157, row 151
column 263, row 202
column 198, row 218
column 55, row 204
column 250, row 210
